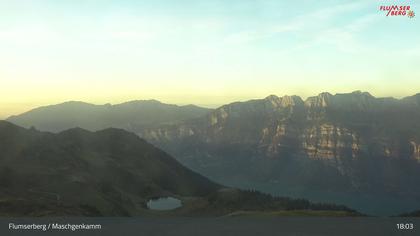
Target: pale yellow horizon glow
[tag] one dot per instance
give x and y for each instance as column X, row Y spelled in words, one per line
column 206, row 53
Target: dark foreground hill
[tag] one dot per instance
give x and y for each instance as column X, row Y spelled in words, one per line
column 110, row 173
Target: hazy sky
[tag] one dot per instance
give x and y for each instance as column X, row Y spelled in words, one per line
column 205, row 52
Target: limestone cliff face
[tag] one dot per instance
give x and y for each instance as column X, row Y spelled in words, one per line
column 415, row 150
column 354, row 134
column 324, row 141
column 321, row 101
column 322, row 127
column 330, row 142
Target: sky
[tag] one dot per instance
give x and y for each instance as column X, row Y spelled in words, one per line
column 204, row 52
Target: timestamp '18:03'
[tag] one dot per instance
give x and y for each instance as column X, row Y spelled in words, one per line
column 405, row 226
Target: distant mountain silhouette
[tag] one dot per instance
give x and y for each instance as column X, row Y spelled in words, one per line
column 133, row 115
column 110, row 173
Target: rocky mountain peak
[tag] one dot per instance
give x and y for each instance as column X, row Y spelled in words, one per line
column 284, row 101
column 353, row 100
column 322, row 100
column 360, row 93
column 356, row 100
column 272, row 97
column 356, row 95
column 291, row 101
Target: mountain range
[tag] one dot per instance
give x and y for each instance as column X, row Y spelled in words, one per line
column 341, row 148
column 112, row 173
column 132, row 115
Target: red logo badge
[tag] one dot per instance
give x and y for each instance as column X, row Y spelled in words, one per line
column 398, row 10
